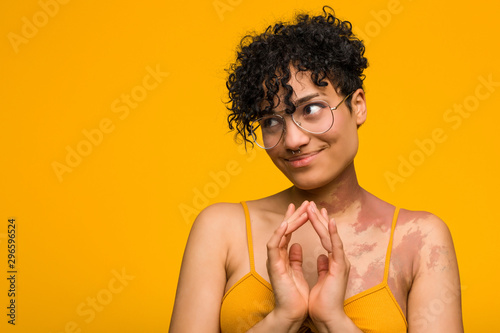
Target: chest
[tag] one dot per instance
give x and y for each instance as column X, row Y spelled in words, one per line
column 373, row 261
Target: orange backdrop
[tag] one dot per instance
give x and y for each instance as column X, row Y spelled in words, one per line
column 113, row 138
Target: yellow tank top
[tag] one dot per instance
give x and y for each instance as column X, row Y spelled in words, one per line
column 251, row 298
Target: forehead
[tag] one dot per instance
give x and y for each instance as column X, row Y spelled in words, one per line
column 304, row 89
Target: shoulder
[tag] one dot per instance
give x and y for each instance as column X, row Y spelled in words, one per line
column 212, row 234
column 429, row 226
column 426, row 237
column 203, row 271
column 217, row 221
column 435, row 280
column 220, row 213
column 219, row 216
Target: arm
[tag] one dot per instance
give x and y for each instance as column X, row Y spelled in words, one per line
column 434, row 301
column 203, row 276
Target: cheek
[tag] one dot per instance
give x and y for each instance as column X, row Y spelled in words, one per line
column 343, row 137
column 346, row 134
column 350, row 146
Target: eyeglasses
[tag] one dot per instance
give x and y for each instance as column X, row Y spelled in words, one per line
column 315, row 117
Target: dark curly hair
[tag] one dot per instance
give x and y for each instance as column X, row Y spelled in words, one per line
column 323, row 45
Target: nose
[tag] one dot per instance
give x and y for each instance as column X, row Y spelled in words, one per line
column 294, row 136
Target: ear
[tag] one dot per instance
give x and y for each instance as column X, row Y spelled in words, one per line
column 358, row 106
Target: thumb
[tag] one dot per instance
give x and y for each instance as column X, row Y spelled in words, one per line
column 295, row 257
column 322, row 265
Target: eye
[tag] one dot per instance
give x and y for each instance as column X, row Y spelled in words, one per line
column 313, row 109
column 269, row 122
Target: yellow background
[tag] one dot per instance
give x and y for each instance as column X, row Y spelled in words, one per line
column 120, row 208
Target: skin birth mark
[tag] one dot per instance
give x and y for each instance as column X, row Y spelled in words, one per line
column 436, row 252
column 361, row 249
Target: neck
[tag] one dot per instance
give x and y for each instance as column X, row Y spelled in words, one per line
column 338, row 197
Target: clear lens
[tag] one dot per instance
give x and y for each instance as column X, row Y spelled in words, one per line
column 314, row 117
column 267, row 131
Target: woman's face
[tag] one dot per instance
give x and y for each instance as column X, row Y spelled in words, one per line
column 322, row 157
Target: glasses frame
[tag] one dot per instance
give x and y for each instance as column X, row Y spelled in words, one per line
column 297, row 123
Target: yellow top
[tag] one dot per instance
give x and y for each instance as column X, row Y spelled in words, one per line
column 251, row 298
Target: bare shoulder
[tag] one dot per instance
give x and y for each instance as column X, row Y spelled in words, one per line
column 203, row 270
column 433, row 228
column 218, row 227
column 218, row 217
column 434, row 274
column 210, row 235
column 426, row 238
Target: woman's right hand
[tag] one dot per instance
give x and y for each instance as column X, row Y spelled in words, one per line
column 291, row 291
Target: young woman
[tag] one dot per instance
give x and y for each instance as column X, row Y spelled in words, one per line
column 323, row 255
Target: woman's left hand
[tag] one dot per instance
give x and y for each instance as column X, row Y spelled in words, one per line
column 326, row 298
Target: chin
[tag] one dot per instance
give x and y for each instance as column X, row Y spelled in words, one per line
column 314, row 178
column 308, row 182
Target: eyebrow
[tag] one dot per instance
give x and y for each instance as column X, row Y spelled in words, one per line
column 301, row 100
column 305, row 98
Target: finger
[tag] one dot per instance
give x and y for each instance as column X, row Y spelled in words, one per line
column 292, row 212
column 324, row 213
column 336, row 242
column 296, row 223
column 295, row 257
column 289, row 211
column 285, row 240
column 273, row 245
column 288, row 214
column 318, row 222
column 298, row 218
column 322, row 265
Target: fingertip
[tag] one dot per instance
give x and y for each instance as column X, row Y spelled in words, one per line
column 295, row 246
column 281, row 230
column 313, row 207
column 289, row 210
column 332, row 226
column 322, row 263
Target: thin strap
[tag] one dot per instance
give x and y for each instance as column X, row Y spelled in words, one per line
column 389, row 247
column 249, row 235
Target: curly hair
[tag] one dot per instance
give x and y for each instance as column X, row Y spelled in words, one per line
column 323, row 45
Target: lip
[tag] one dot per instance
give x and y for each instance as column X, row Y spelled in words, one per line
column 302, row 160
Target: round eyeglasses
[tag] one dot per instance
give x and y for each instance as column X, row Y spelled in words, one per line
column 315, row 117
